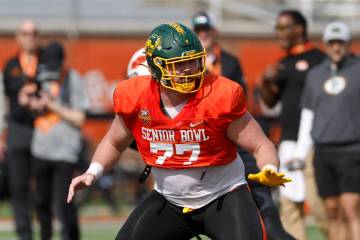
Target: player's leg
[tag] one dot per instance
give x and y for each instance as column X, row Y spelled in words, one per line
column 271, row 218
column 264, row 202
column 66, row 212
column 292, row 197
column 350, row 190
column 44, row 179
column 234, row 216
column 155, row 219
column 292, row 215
column 337, row 227
column 350, row 204
column 315, row 203
column 327, row 183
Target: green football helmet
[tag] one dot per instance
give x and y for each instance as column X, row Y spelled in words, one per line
column 176, row 58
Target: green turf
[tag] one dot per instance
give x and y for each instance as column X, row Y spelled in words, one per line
column 7, row 235
column 5, row 210
column 104, row 231
column 88, row 234
column 109, row 231
column 314, row 233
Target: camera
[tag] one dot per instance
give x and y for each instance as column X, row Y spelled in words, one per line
column 45, row 77
column 50, row 67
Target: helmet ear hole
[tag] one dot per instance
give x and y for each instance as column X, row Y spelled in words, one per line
column 158, row 61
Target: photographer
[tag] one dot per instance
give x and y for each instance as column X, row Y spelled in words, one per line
column 18, row 71
column 59, row 99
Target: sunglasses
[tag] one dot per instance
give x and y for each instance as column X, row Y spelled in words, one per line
column 200, row 28
column 280, row 27
column 29, row 33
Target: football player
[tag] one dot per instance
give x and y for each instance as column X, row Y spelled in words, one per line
column 262, row 195
column 186, row 125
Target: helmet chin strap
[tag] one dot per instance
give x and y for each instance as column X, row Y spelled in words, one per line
column 153, row 74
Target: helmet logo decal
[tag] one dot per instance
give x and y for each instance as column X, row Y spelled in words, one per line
column 152, row 43
column 177, row 28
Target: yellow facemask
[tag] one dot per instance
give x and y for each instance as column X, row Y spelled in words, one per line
column 183, row 74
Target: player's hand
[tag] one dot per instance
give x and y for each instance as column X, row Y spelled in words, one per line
column 80, row 182
column 295, row 164
column 269, row 178
column 271, row 73
column 26, row 93
column 39, row 104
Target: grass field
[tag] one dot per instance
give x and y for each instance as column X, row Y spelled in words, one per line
column 96, row 233
column 108, row 232
column 97, row 223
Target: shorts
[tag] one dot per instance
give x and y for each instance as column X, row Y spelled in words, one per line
column 232, row 216
column 337, row 169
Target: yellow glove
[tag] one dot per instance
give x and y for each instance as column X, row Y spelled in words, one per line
column 269, row 178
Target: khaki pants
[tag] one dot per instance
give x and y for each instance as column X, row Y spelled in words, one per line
column 313, row 200
column 292, row 217
column 292, row 213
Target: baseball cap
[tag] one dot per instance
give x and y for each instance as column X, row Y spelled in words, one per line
column 202, row 20
column 53, row 56
column 51, row 62
column 337, row 31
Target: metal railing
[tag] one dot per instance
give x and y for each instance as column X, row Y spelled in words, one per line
column 75, row 17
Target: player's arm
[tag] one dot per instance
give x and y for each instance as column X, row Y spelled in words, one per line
column 73, row 116
column 246, row 132
column 304, row 142
column 107, row 153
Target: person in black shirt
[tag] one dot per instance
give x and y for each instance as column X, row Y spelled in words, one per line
column 219, row 61
column 2, row 123
column 282, row 83
column 18, row 71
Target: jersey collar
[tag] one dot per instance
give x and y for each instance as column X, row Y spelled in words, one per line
column 300, row 48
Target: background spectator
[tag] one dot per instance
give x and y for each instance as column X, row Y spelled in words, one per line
column 331, row 113
column 60, row 100
column 19, row 71
column 2, row 120
column 283, row 83
column 4, row 185
column 218, row 60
